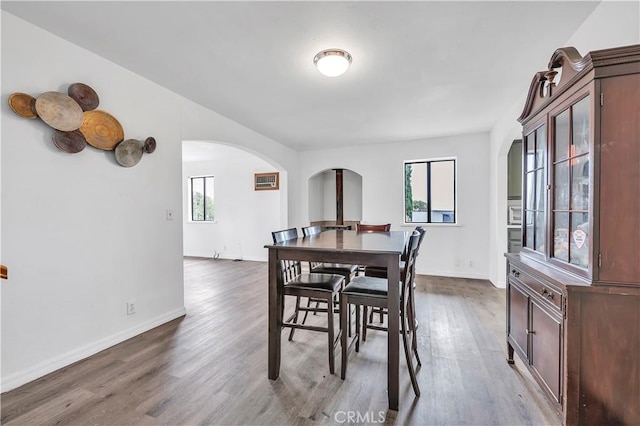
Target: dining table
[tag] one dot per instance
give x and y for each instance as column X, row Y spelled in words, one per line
column 382, row 249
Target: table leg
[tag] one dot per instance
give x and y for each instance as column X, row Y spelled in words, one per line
column 275, row 312
column 393, row 326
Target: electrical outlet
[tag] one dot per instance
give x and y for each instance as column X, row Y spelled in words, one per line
column 131, row 307
column 471, row 264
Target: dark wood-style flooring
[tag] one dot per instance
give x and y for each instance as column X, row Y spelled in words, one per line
column 210, row 367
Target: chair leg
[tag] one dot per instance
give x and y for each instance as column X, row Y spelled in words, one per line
column 364, row 322
column 414, row 344
column 331, row 334
column 411, row 311
column 407, row 352
column 347, row 280
column 295, row 317
column 413, row 325
column 344, row 341
column 357, row 328
column 304, row 319
column 349, row 320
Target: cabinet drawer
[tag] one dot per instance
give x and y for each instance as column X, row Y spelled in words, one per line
column 550, row 294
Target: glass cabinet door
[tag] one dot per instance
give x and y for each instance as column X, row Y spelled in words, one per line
column 534, row 174
column 571, row 185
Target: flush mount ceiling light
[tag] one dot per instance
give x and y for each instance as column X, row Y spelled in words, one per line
column 332, row 62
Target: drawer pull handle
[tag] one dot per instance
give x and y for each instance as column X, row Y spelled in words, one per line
column 515, row 273
column 530, row 331
column 548, row 294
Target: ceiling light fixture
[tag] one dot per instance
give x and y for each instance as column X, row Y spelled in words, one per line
column 332, row 62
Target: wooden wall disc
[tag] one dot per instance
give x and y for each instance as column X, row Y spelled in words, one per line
column 71, row 142
column 129, row 152
column 23, row 104
column 101, row 130
column 59, row 111
column 84, row 95
column 149, row 145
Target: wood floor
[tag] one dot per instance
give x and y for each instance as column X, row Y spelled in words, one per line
column 210, row 367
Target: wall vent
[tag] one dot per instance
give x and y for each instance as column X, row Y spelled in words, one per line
column 266, row 181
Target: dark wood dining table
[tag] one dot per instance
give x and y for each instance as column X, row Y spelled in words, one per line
column 351, row 247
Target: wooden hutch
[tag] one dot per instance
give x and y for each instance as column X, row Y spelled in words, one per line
column 573, row 292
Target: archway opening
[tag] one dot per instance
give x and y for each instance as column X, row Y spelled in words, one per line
column 335, row 198
column 237, row 219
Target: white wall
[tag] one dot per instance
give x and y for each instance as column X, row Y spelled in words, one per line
column 199, row 123
column 352, row 195
column 447, row 250
column 611, row 24
column 82, row 235
column 315, row 197
column 244, row 218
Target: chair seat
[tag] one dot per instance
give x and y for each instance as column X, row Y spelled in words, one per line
column 380, row 272
column 367, row 285
column 326, row 282
column 335, row 268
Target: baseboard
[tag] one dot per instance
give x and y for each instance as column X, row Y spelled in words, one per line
column 250, row 259
column 21, row 377
column 455, row 274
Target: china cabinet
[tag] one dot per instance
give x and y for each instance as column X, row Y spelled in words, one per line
column 573, row 291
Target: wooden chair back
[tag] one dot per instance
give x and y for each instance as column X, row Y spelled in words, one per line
column 284, row 235
column 409, row 269
column 289, row 269
column 360, row 227
column 308, row 231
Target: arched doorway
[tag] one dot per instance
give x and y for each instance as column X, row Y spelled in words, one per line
column 241, row 219
column 335, row 198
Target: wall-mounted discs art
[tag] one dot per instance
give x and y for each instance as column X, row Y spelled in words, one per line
column 59, row 111
column 129, row 152
column 101, row 130
column 84, row 95
column 23, row 104
column 77, row 123
column 71, row 142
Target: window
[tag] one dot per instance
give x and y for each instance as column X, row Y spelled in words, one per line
column 430, row 191
column 202, row 199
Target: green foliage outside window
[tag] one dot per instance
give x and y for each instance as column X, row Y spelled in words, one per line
column 202, row 210
column 202, row 206
column 408, row 196
column 419, row 206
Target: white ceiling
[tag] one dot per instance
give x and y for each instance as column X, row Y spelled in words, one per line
column 420, row 69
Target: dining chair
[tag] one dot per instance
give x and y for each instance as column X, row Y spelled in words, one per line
column 380, row 272
column 324, row 287
column 373, row 291
column 347, row 271
column 361, row 227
